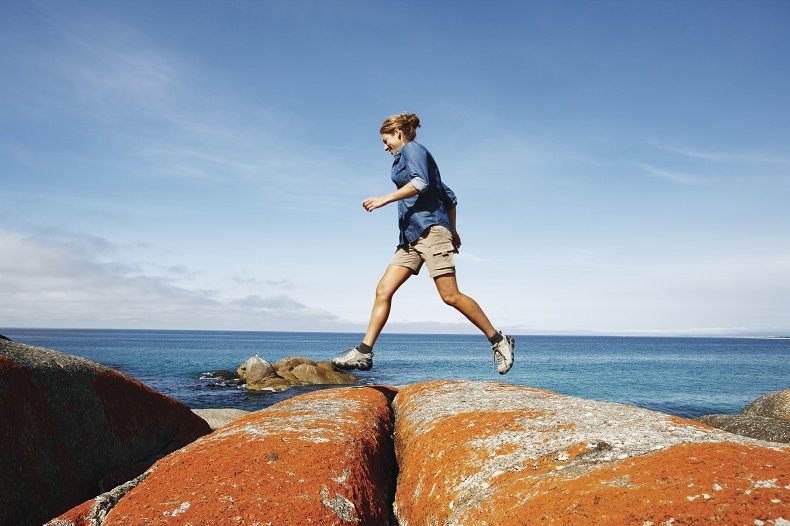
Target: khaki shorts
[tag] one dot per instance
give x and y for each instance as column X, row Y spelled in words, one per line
column 434, row 248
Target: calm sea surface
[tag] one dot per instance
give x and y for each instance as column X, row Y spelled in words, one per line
column 687, row 377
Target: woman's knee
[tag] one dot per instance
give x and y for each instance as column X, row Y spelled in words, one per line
column 451, row 297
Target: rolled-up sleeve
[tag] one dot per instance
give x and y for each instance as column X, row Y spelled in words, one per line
column 418, row 183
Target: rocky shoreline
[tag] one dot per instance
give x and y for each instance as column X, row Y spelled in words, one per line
column 89, row 445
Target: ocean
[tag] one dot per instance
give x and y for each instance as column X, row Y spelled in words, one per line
column 687, row 377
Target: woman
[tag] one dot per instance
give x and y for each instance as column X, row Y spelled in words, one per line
column 426, row 218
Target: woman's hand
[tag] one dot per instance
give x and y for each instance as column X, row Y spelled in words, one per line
column 372, row 203
column 456, row 242
column 407, row 190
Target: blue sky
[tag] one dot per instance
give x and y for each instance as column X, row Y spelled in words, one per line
column 621, row 167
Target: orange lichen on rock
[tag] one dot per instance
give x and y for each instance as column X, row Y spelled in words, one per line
column 473, row 453
column 320, row 458
column 686, row 484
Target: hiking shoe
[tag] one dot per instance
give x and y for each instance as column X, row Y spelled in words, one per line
column 354, row 359
column 503, row 353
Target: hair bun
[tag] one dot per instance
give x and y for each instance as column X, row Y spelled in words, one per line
column 406, row 123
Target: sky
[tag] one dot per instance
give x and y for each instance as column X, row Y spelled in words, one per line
column 621, row 167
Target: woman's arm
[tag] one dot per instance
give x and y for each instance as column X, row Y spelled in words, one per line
column 407, row 190
column 456, row 237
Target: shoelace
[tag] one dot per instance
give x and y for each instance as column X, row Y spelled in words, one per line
column 346, row 351
column 496, row 359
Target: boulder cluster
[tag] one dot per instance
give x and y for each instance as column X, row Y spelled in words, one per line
column 767, row 418
column 259, row 375
column 438, row 453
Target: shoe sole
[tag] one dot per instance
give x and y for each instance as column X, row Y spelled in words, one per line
column 351, row 367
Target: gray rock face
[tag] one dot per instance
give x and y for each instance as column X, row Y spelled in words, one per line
column 759, row 427
column 258, row 370
column 72, row 429
column 772, row 405
column 767, row 418
column 217, row 418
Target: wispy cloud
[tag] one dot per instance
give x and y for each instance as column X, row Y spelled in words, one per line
column 670, row 175
column 728, row 157
column 53, row 283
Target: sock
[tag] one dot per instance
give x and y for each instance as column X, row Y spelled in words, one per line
column 496, row 338
column 365, row 348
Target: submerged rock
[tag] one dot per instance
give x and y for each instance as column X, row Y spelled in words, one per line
column 227, row 376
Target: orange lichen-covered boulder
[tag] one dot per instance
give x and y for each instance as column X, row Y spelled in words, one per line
column 71, row 429
column 473, row 453
column 321, row 458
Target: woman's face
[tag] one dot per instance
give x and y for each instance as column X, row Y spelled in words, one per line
column 393, row 141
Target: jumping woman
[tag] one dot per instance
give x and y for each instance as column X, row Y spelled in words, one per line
column 426, row 219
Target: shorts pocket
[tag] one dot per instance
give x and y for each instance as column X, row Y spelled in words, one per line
column 442, row 249
column 443, row 256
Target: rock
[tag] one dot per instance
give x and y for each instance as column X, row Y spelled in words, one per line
column 72, row 429
column 329, row 366
column 314, row 375
column 4, row 338
column 217, row 418
column 242, row 372
column 759, row 427
column 489, row 453
column 773, row 405
column 289, row 377
column 94, row 511
column 273, row 383
column 258, row 370
column 288, row 364
column 325, row 457
column 227, row 376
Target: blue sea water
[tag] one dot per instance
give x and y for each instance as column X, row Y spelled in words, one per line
column 687, row 377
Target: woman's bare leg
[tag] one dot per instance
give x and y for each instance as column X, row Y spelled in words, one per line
column 393, row 278
column 448, row 290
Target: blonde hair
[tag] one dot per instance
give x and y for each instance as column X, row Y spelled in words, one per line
column 407, row 123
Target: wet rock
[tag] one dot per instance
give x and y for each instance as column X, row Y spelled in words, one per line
column 759, row 427
column 274, row 383
column 772, row 405
column 314, row 375
column 294, row 370
column 227, row 376
column 71, row 429
column 321, row 458
column 242, row 372
column 488, row 453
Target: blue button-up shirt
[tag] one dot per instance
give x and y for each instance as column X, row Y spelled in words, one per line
column 414, row 164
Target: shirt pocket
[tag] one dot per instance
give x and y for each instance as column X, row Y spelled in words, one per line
column 400, row 176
